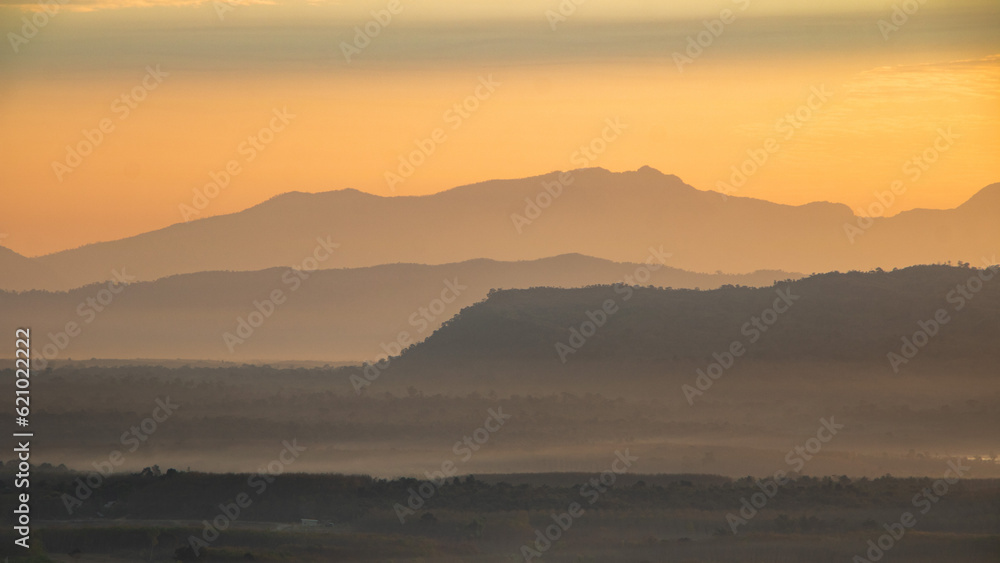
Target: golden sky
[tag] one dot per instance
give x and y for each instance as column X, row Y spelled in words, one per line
column 888, row 96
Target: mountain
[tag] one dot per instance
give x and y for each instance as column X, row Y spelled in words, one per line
column 329, row 315
column 615, row 216
column 834, row 317
column 21, row 273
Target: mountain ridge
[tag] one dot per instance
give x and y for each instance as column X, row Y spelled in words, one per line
column 840, row 317
column 611, row 215
column 342, row 314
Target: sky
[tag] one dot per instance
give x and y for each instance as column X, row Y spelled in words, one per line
column 786, row 101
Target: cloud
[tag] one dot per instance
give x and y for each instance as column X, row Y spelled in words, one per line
column 905, row 98
column 285, row 33
column 102, row 5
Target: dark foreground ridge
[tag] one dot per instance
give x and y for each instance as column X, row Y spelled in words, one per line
column 171, row 516
column 944, row 312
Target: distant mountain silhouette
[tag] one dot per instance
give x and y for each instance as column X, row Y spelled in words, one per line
column 614, row 216
column 854, row 317
column 20, row 272
column 330, row 315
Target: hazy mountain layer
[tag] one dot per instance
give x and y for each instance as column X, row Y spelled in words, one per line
column 943, row 312
column 329, row 315
column 616, row 216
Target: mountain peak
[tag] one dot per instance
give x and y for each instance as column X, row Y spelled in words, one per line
column 4, row 251
column 611, row 215
column 986, row 197
column 645, row 171
column 298, row 196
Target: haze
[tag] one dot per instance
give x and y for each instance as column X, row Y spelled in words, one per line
column 225, row 76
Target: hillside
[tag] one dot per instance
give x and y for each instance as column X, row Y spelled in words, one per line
column 326, row 315
column 832, row 317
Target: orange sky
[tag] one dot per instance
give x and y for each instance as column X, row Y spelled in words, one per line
column 555, row 90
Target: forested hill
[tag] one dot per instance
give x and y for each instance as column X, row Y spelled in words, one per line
column 855, row 316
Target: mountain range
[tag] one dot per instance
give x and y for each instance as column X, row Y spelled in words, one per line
column 328, row 315
column 614, row 216
column 946, row 313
